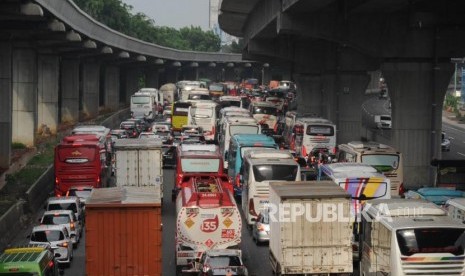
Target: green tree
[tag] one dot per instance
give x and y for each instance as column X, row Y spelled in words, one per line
column 118, row 16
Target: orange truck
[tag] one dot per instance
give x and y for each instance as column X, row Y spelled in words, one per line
column 79, row 161
column 124, row 232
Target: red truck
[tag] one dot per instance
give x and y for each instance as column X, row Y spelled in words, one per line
column 198, row 160
column 79, row 160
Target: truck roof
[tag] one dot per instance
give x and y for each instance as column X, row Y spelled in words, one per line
column 205, row 192
column 313, row 120
column 345, row 170
column 138, row 143
column 369, row 147
column 241, row 120
column 270, row 161
column 259, row 153
column 123, row 196
column 308, row 190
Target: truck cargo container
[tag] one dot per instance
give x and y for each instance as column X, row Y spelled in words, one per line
column 139, row 163
column 207, row 218
column 123, row 232
column 307, row 244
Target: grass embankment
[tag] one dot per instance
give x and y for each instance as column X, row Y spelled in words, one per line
column 17, row 184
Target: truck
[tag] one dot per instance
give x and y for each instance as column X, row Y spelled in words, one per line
column 139, row 163
column 383, row 121
column 207, row 218
column 146, row 103
column 303, row 243
column 80, row 160
column 124, row 232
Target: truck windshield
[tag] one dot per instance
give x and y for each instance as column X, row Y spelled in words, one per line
column 364, row 188
column 382, row 162
column 200, row 165
column 322, row 130
column 140, row 99
column 243, row 130
column 275, row 172
column 431, row 240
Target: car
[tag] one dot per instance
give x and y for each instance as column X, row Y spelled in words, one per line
column 219, row 262
column 83, row 192
column 445, row 142
column 57, row 236
column 160, row 126
column 165, row 136
column 118, row 134
column 147, row 135
column 169, row 156
column 65, row 218
column 131, row 127
column 141, row 123
column 65, row 203
column 261, row 228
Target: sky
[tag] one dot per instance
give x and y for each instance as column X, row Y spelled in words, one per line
column 174, row 13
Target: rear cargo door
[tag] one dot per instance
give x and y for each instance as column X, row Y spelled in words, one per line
column 126, row 167
column 150, row 167
column 292, row 235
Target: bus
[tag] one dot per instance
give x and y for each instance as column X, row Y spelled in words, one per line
column 29, row 260
column 179, row 115
column 311, row 134
column 384, row 158
column 203, row 114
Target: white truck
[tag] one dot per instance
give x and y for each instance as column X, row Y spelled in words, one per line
column 207, row 218
column 306, row 238
column 139, row 163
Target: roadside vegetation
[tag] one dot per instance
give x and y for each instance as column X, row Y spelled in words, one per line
column 120, row 17
column 18, row 183
column 451, row 104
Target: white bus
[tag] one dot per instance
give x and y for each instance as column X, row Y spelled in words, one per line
column 146, row 103
column 311, row 134
column 410, row 237
column 384, row 158
column 260, row 168
column 203, row 114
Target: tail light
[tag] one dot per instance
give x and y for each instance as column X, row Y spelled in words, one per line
column 57, row 182
column 98, row 180
column 252, row 208
column 64, row 244
column 134, row 133
column 402, row 190
column 71, row 226
column 51, row 263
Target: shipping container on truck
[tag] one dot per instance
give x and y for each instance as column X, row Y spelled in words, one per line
column 124, row 232
column 207, row 218
column 309, row 244
column 139, row 163
column 79, row 161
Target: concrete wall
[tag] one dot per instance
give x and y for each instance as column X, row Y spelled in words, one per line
column 111, row 87
column 24, row 95
column 48, row 83
column 5, row 105
column 69, row 90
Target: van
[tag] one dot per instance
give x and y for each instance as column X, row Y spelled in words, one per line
column 232, row 126
column 203, row 114
column 410, row 237
column 238, row 145
column 260, row 168
column 384, row 158
column 28, row 260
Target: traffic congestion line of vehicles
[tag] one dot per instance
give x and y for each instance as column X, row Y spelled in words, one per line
column 239, row 157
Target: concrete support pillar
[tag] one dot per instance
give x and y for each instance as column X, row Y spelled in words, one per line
column 5, row 104
column 90, row 89
column 48, row 84
column 112, row 87
column 310, row 95
column 132, row 76
column 417, row 92
column 69, row 91
column 343, row 93
column 151, row 78
column 24, row 96
column 171, row 74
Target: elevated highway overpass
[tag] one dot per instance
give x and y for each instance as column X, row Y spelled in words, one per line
column 330, row 45
column 58, row 65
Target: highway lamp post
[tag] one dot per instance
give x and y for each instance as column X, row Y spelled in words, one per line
column 265, row 65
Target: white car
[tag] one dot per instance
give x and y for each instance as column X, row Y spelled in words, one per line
column 65, row 218
column 66, row 203
column 220, row 262
column 57, row 236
